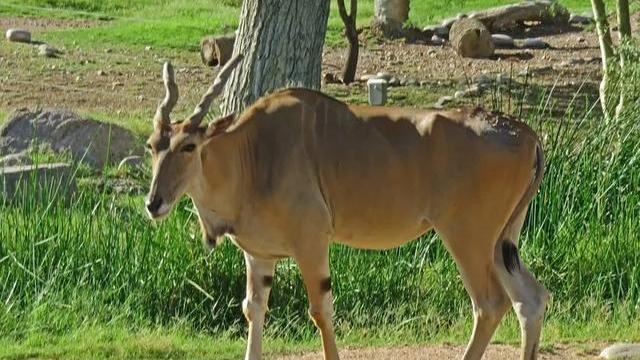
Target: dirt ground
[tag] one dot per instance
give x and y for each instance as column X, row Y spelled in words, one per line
column 127, row 81
column 445, row 352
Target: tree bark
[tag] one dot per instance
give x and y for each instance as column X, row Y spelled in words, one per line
column 349, row 71
column 624, row 33
column 606, row 49
column 389, row 17
column 282, row 46
column 624, row 20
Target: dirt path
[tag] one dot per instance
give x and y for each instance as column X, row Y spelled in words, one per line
column 443, row 352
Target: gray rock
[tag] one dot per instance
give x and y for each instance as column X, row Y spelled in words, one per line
column 437, row 40
column 47, row 51
column 430, row 29
column 535, row 43
column 133, row 161
column 483, row 79
column 581, row 19
column 471, row 91
column 90, row 141
column 443, row 101
column 366, row 77
column 502, row 41
column 394, row 81
column 412, row 82
column 18, row 35
column 459, row 94
column 49, row 181
column 442, row 31
column 384, row 75
column 621, row 351
column 21, row 158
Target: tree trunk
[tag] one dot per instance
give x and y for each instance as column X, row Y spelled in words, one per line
column 624, row 33
column 389, row 17
column 606, row 49
column 282, row 46
column 349, row 71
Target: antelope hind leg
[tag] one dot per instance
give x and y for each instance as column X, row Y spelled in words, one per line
column 314, row 266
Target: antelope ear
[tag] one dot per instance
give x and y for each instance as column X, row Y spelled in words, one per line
column 219, row 126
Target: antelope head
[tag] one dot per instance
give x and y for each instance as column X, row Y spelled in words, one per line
column 176, row 147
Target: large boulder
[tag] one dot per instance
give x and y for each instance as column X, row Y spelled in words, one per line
column 92, row 142
column 18, row 35
column 42, row 182
column 470, row 38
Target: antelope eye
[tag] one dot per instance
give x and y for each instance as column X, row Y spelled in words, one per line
column 188, row 148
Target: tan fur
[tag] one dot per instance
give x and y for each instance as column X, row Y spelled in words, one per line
column 299, row 170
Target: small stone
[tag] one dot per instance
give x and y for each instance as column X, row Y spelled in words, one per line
column 484, row 79
column 459, row 94
column 385, row 76
column 108, row 51
column 148, row 48
column 580, row 19
column 581, row 39
column 101, row 73
column 412, row 82
column 535, row 43
column 140, row 98
column 18, row 35
column 443, row 101
column 441, row 31
column 437, row 40
column 78, row 78
column 394, row 81
column 47, row 51
column 366, row 77
column 502, row 41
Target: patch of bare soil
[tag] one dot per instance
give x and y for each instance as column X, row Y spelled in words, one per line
column 574, row 54
column 39, row 24
column 128, row 81
column 494, row 352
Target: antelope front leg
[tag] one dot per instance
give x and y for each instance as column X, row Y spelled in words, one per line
column 314, row 266
column 254, row 306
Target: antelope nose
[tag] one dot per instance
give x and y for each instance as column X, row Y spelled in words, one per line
column 153, row 204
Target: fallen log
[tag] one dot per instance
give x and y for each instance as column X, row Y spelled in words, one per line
column 217, row 50
column 511, row 16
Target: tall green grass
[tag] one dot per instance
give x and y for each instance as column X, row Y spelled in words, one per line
column 100, row 262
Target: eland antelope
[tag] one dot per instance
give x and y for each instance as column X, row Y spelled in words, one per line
column 298, row 170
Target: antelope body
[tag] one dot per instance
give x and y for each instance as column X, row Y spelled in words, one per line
column 298, row 170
